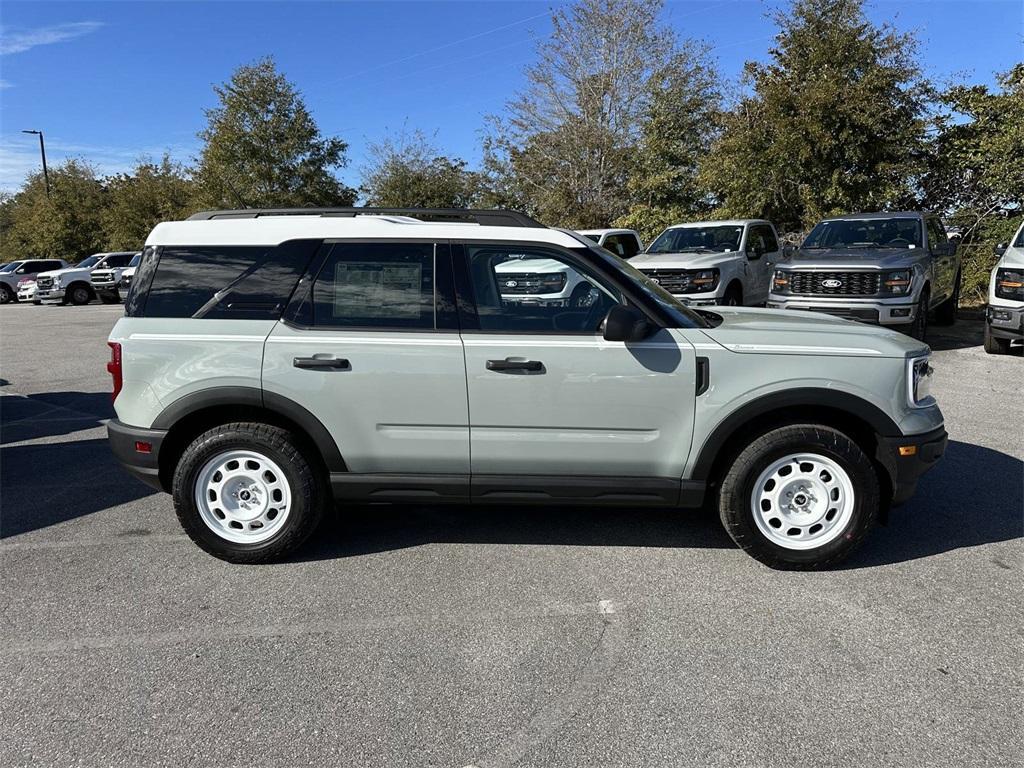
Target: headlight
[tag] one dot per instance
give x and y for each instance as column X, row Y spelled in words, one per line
column 897, row 283
column 56, row 282
column 919, row 382
column 780, row 283
column 704, row 281
column 1010, row 284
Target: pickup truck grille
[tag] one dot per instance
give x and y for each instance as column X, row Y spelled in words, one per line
column 44, row 283
column 838, row 283
column 672, row 280
column 513, row 283
column 102, row 278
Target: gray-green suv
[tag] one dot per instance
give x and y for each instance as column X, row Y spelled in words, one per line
column 270, row 361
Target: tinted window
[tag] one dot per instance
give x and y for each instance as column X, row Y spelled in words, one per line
column 865, row 233
column 225, row 282
column 521, row 289
column 718, row 238
column 622, row 245
column 936, row 234
column 117, row 260
column 50, row 265
column 375, row 285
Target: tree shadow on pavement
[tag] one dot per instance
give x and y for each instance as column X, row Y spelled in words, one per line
column 31, row 417
column 47, row 483
column 974, row 496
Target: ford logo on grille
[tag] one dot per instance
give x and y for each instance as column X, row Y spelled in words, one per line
column 656, row 281
column 831, row 283
column 511, row 283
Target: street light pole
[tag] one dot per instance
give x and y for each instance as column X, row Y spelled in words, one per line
column 42, row 151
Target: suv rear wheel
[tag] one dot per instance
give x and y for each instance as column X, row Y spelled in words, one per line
column 800, row 497
column 245, row 493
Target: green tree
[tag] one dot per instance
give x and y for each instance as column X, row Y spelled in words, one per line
column 263, row 148
column 679, row 125
column 409, row 172
column 976, row 172
column 136, row 202
column 66, row 225
column 835, row 122
column 564, row 148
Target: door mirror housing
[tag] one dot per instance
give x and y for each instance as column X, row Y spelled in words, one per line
column 624, row 323
column 1000, row 249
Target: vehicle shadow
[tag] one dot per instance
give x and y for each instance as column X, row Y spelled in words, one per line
column 43, row 484
column 30, row 417
column 974, row 496
column 967, row 332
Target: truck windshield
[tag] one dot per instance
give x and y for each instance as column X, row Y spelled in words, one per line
column 135, row 260
column 712, row 239
column 10, row 267
column 1019, row 241
column 866, row 233
column 90, row 261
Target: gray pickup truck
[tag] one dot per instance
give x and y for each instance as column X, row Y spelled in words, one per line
column 891, row 269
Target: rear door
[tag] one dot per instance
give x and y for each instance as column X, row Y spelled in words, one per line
column 549, row 396
column 370, row 346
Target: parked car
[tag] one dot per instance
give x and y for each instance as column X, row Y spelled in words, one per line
column 1004, row 316
column 267, row 363
column 14, row 272
column 714, row 262
column 72, row 284
column 624, row 243
column 526, row 280
column 892, row 269
column 107, row 280
column 27, row 290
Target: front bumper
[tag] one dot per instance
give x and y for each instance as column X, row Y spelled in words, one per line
column 869, row 310
column 907, row 458
column 50, row 295
column 1005, row 322
column 128, row 443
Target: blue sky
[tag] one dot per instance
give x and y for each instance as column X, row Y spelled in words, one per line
column 113, row 81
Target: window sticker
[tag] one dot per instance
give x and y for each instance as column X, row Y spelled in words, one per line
column 377, row 289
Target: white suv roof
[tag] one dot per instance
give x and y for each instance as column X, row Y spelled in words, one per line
column 606, row 232
column 271, row 227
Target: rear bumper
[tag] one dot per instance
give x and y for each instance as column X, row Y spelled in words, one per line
column 919, row 454
column 128, row 444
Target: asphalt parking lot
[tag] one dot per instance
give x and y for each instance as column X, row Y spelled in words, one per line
column 496, row 637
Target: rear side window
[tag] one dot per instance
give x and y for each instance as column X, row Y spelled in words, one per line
column 375, row 285
column 219, row 282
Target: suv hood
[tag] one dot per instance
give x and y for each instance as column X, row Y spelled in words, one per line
column 838, row 258
column 792, row 332
column 683, row 260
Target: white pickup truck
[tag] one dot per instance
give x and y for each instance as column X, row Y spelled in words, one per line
column 714, row 262
column 72, row 284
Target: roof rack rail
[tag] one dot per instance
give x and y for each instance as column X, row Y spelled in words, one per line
column 495, row 218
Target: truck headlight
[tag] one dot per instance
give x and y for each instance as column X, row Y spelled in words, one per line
column 1010, row 284
column 704, row 281
column 56, row 282
column 780, row 282
column 919, row 382
column 897, row 283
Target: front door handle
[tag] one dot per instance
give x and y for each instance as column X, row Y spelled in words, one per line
column 515, row 364
column 333, row 363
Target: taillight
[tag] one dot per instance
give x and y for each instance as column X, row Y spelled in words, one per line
column 114, row 368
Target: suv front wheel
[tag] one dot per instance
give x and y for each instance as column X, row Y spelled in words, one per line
column 800, row 497
column 245, row 493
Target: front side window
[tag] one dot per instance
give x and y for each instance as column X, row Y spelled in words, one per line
column 936, row 234
column 710, row 239
column 376, row 285
column 865, row 233
column 523, row 289
column 764, row 237
column 117, row 260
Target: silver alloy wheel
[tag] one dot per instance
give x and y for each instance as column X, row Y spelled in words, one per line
column 243, row 496
column 802, row 501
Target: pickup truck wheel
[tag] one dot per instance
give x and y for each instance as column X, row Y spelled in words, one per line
column 919, row 328
column 800, row 497
column 245, row 493
column 7, row 296
column 733, row 297
column 79, row 294
column 945, row 314
column 994, row 345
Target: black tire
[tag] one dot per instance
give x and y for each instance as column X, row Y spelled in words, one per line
column 78, row 294
column 733, row 297
column 945, row 314
column 995, row 345
column 7, row 296
column 919, row 328
column 309, row 490
column 110, row 298
column 736, row 505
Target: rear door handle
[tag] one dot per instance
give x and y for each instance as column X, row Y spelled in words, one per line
column 333, row 363
column 515, row 364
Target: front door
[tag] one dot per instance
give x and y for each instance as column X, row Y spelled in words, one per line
column 374, row 353
column 762, row 255
column 548, row 395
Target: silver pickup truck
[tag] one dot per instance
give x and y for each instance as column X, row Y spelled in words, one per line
column 890, row 269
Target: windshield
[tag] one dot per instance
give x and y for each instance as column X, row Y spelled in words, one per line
column 713, row 239
column 866, row 233
column 1019, row 240
column 135, row 260
column 10, row 267
column 89, row 262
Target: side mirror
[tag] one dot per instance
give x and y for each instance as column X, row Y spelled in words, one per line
column 1000, row 249
column 788, row 251
column 624, row 323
